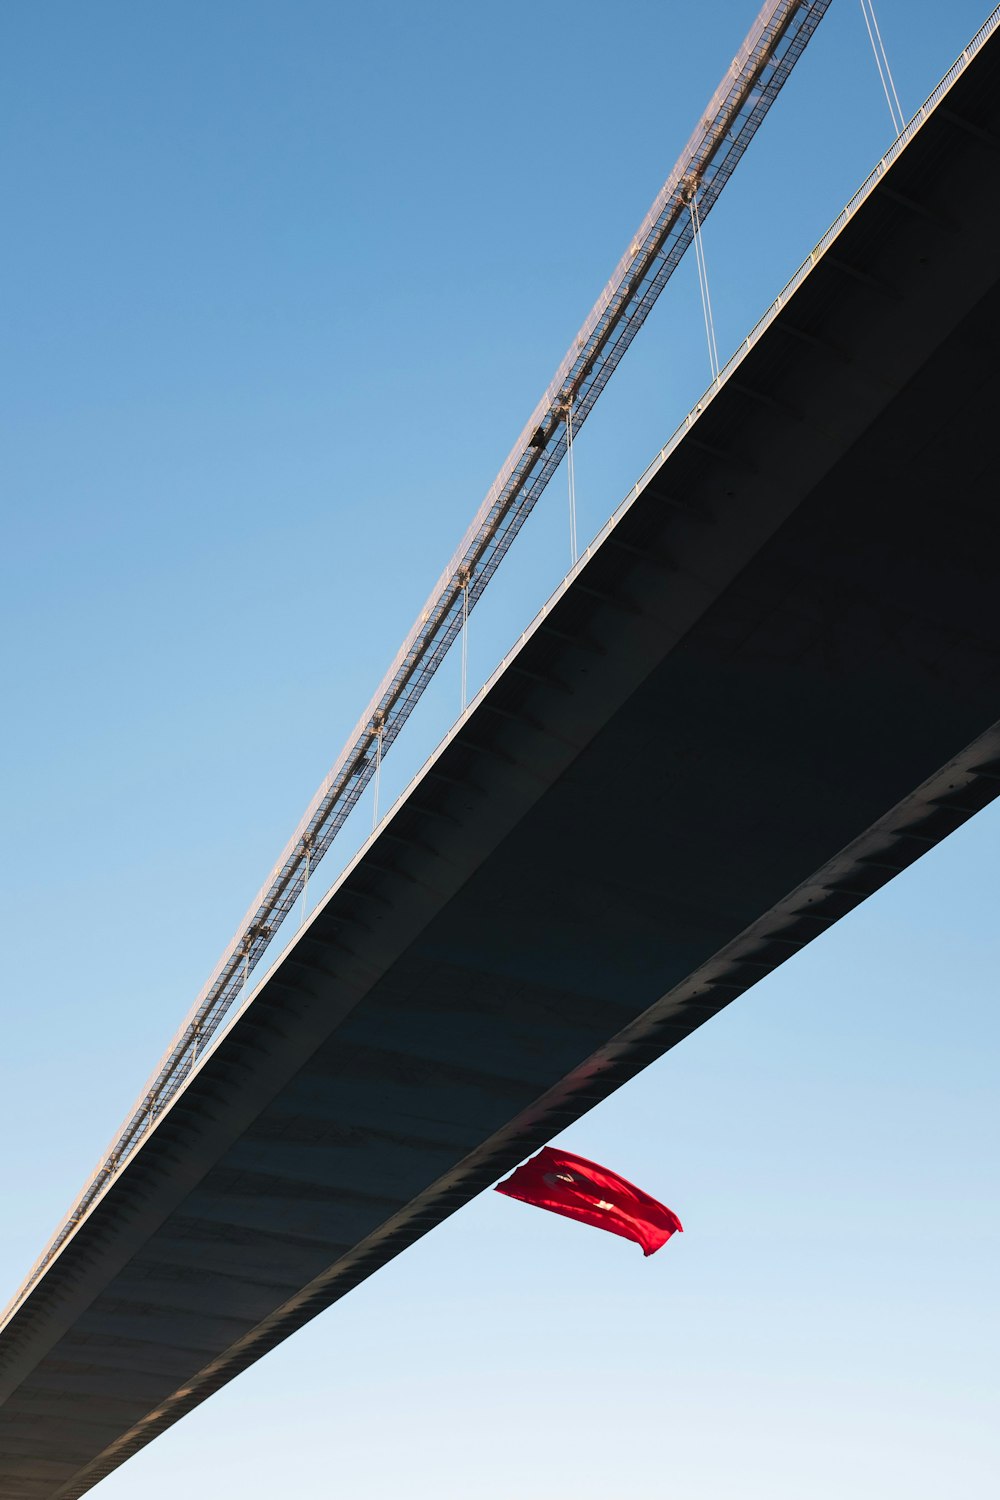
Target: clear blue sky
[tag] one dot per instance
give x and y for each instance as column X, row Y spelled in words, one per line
column 281, row 285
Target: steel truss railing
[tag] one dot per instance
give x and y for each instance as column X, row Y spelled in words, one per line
column 751, row 84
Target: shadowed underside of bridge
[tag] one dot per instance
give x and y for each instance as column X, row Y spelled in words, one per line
column 773, row 686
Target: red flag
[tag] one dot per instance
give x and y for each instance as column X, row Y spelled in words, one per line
column 582, row 1190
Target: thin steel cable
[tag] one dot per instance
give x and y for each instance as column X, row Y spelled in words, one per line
column 895, row 112
column 465, row 645
column 571, row 479
column 378, row 776
column 305, row 883
column 888, row 70
column 706, row 300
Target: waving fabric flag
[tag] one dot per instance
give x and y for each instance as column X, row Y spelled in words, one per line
column 582, row 1190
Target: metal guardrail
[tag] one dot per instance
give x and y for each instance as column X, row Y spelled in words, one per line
column 195, row 1041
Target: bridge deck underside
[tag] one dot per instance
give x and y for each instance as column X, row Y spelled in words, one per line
column 773, row 686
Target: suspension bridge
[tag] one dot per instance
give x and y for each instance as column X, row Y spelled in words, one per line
column 768, row 685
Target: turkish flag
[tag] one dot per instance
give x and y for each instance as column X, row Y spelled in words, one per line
column 582, row 1190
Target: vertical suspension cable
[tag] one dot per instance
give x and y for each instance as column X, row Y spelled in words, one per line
column 465, row 640
column 882, row 63
column 378, row 771
column 571, row 478
column 706, row 301
column 307, row 847
column 888, row 70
